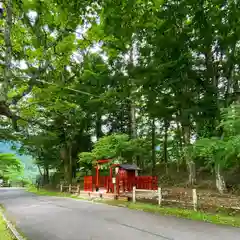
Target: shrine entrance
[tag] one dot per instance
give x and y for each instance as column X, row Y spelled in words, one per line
column 121, row 176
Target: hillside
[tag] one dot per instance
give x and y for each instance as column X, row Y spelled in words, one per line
column 30, row 169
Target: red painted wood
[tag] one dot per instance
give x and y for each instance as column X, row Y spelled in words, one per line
column 97, row 177
column 104, row 161
column 102, row 181
column 125, row 180
column 88, row 183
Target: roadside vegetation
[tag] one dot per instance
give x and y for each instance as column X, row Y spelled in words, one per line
column 220, row 218
column 44, row 192
column 4, row 232
column 11, row 170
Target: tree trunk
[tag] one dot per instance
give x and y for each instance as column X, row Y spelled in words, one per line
column 70, row 165
column 153, row 147
column 192, row 172
column 39, row 169
column 220, row 182
column 99, row 133
column 131, row 120
column 65, row 157
column 180, row 146
column 122, row 118
column 165, row 144
column 132, row 114
column 132, row 124
column 66, row 166
column 46, row 175
column 190, row 163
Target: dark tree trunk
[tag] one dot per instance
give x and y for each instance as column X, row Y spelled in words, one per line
column 180, row 146
column 165, row 144
column 99, row 132
column 153, row 147
column 46, row 175
column 66, row 164
column 39, row 169
column 131, row 120
column 70, row 173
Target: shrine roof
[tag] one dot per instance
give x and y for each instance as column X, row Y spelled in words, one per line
column 127, row 166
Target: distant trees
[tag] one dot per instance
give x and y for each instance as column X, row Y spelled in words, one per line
column 10, row 167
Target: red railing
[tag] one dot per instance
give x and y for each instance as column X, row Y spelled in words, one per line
column 146, row 182
column 123, row 183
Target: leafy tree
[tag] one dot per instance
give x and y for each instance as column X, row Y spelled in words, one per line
column 10, row 166
column 117, row 147
column 223, row 153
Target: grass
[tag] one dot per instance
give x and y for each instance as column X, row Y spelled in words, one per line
column 220, row 218
column 181, row 213
column 4, row 232
column 44, row 192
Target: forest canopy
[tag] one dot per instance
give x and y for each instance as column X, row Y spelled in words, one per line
column 78, row 75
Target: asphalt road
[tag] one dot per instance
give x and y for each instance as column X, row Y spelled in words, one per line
column 53, row 218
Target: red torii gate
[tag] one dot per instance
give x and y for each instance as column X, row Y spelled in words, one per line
column 110, row 172
column 97, row 171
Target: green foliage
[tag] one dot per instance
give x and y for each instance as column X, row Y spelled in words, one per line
column 10, row 166
column 86, row 160
column 111, row 146
column 225, row 150
column 108, row 147
column 231, row 120
column 117, row 147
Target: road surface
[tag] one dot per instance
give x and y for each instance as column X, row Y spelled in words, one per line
column 54, row 218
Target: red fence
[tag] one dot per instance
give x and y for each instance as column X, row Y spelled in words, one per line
column 103, row 181
column 146, row 182
column 88, row 183
column 123, row 183
column 141, row 182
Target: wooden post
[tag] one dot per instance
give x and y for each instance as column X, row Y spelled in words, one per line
column 159, row 196
column 134, row 195
column 61, row 188
column 115, row 189
column 78, row 189
column 195, row 200
column 70, row 188
column 97, row 178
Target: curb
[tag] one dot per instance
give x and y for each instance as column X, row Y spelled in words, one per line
column 13, row 230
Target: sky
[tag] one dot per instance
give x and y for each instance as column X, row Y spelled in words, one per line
column 6, row 148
